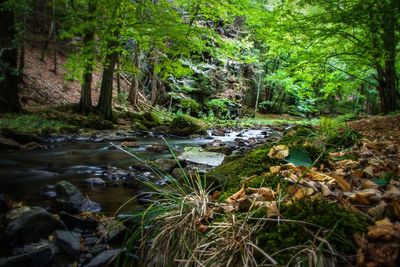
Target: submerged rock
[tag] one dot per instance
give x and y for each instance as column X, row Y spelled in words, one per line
column 6, row 143
column 157, row 148
column 73, row 201
column 30, row 225
column 94, row 181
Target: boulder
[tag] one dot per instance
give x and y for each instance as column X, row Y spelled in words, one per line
column 105, row 258
column 6, row 143
column 129, row 144
column 73, row 222
column 166, row 165
column 69, row 242
column 157, row 148
column 71, row 200
column 184, row 125
column 217, row 132
column 32, row 146
column 30, row 225
column 115, row 232
column 37, row 257
column 219, row 149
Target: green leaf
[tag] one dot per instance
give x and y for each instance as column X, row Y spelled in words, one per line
column 299, row 157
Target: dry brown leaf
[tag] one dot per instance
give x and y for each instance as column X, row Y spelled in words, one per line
column 378, row 212
column 318, row 176
column 325, row 190
column 236, row 197
column 343, row 184
column 266, row 193
column 303, row 193
column 396, row 207
column 367, row 196
column 279, row 152
column 358, row 173
column 384, row 230
column 275, row 169
column 272, row 209
column 368, row 184
column 369, row 170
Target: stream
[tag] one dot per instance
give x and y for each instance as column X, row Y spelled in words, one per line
column 24, row 175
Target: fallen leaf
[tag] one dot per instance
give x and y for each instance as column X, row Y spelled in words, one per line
column 272, row 210
column 279, row 152
column 368, row 184
column 378, row 212
column 342, row 182
column 384, row 229
column 302, row 193
column 318, row 176
column 325, row 190
column 266, row 193
column 275, row 169
column 369, row 170
column 236, row 196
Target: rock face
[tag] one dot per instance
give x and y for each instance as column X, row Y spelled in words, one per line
column 31, row 225
column 71, row 200
column 104, row 258
column 38, row 257
column 69, row 242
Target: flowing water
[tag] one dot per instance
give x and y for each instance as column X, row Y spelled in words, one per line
column 23, row 174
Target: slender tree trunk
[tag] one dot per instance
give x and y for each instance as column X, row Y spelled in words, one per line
column 9, row 98
column 154, row 79
column 85, row 102
column 105, row 100
column 134, row 88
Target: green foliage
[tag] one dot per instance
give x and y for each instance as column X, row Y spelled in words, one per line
column 309, row 219
column 223, row 108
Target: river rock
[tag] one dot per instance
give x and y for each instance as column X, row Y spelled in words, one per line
column 115, row 232
column 219, row 149
column 6, row 143
column 94, row 181
column 198, row 156
column 73, row 222
column 131, row 181
column 32, row 146
column 30, row 225
column 30, row 248
column 166, row 165
column 129, row 144
column 217, row 132
column 69, row 242
column 157, row 148
column 105, row 258
column 71, row 200
column 161, row 130
column 40, row 256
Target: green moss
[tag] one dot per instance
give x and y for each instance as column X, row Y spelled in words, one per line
column 184, row 125
column 325, row 219
column 35, row 124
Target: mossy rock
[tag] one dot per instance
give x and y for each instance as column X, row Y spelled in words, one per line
column 185, row 125
column 145, row 121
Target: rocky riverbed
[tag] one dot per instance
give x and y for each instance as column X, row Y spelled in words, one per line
column 54, row 186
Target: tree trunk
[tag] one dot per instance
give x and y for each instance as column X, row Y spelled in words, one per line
column 134, row 88
column 85, row 102
column 9, row 98
column 105, row 100
column 154, row 79
column 389, row 91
